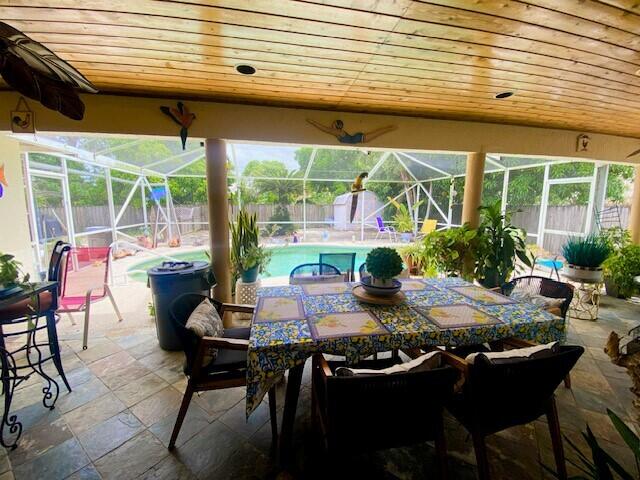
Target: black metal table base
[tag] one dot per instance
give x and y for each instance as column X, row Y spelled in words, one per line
column 17, row 368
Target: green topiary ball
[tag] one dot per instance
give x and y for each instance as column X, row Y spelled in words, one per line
column 384, row 263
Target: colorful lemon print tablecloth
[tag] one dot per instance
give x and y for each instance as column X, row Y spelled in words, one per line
column 293, row 322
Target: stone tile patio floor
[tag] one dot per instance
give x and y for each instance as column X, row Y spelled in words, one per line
column 126, row 392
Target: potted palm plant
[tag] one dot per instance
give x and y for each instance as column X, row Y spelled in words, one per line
column 584, row 256
column 384, row 264
column 248, row 258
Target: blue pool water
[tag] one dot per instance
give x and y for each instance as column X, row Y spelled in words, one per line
column 283, row 259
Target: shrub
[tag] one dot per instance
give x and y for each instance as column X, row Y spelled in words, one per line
column 453, row 250
column 384, row 263
column 281, row 214
column 622, row 267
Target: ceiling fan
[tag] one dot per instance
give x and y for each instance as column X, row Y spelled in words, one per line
column 38, row 73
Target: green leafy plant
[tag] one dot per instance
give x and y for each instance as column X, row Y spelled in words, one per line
column 402, row 218
column 417, row 259
column 246, row 253
column 281, row 214
column 589, row 251
column 621, row 268
column 602, row 465
column 452, row 251
column 499, row 245
column 384, row 263
column 616, row 238
column 11, row 271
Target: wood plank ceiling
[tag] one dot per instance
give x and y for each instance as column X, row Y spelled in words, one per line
column 570, row 63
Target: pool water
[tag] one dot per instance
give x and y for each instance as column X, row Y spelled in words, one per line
column 283, row 259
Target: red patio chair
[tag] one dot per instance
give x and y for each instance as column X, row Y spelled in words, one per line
column 85, row 282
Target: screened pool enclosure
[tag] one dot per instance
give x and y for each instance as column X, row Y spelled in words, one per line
column 149, row 192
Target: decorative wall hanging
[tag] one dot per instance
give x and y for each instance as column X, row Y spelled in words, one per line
column 183, row 117
column 3, row 181
column 582, row 143
column 356, row 187
column 38, row 73
column 22, row 118
column 634, row 153
column 337, row 130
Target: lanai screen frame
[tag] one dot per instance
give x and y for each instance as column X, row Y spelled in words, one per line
column 43, row 144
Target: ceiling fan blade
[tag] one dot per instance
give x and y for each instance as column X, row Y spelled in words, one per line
column 633, row 154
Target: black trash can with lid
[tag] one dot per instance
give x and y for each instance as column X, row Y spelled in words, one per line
column 170, row 280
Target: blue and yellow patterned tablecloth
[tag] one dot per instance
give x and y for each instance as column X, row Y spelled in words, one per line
column 293, row 322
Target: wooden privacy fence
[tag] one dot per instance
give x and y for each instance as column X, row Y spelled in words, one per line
column 192, row 218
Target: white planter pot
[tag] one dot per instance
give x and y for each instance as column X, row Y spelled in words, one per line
column 588, row 274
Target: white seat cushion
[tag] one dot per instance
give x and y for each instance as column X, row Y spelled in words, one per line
column 516, row 353
column 427, row 361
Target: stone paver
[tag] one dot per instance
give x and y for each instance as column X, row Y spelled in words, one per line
column 117, row 422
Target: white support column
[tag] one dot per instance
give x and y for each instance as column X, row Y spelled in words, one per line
column 35, row 236
column 66, row 198
column 505, row 191
column 312, row 157
column 544, row 203
column 112, row 210
column 167, row 198
column 450, row 211
column 143, row 197
column 589, row 221
column 602, row 175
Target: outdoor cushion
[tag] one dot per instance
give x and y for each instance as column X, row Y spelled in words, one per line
column 537, row 300
column 204, row 321
column 230, row 359
column 428, row 361
column 516, row 354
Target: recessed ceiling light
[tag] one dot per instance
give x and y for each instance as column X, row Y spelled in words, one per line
column 245, row 69
column 503, row 95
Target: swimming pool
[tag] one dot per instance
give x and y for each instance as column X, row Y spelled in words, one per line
column 283, row 259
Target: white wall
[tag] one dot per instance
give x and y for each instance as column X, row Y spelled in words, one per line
column 14, row 221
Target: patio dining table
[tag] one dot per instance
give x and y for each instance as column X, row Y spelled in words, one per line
column 291, row 323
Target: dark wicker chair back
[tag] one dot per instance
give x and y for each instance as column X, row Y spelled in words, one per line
column 505, row 395
column 363, row 270
column 306, row 272
column 345, row 262
column 58, row 254
column 542, row 286
column 179, row 312
column 385, row 410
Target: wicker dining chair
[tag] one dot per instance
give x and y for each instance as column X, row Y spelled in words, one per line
column 500, row 395
column 315, row 273
column 228, row 370
column 546, row 287
column 382, row 410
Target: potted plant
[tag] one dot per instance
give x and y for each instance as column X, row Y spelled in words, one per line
column 248, row 258
column 453, row 251
column 384, row 264
column 403, row 220
column 620, row 270
column 617, row 238
column 10, row 273
column 584, row 256
column 499, row 245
